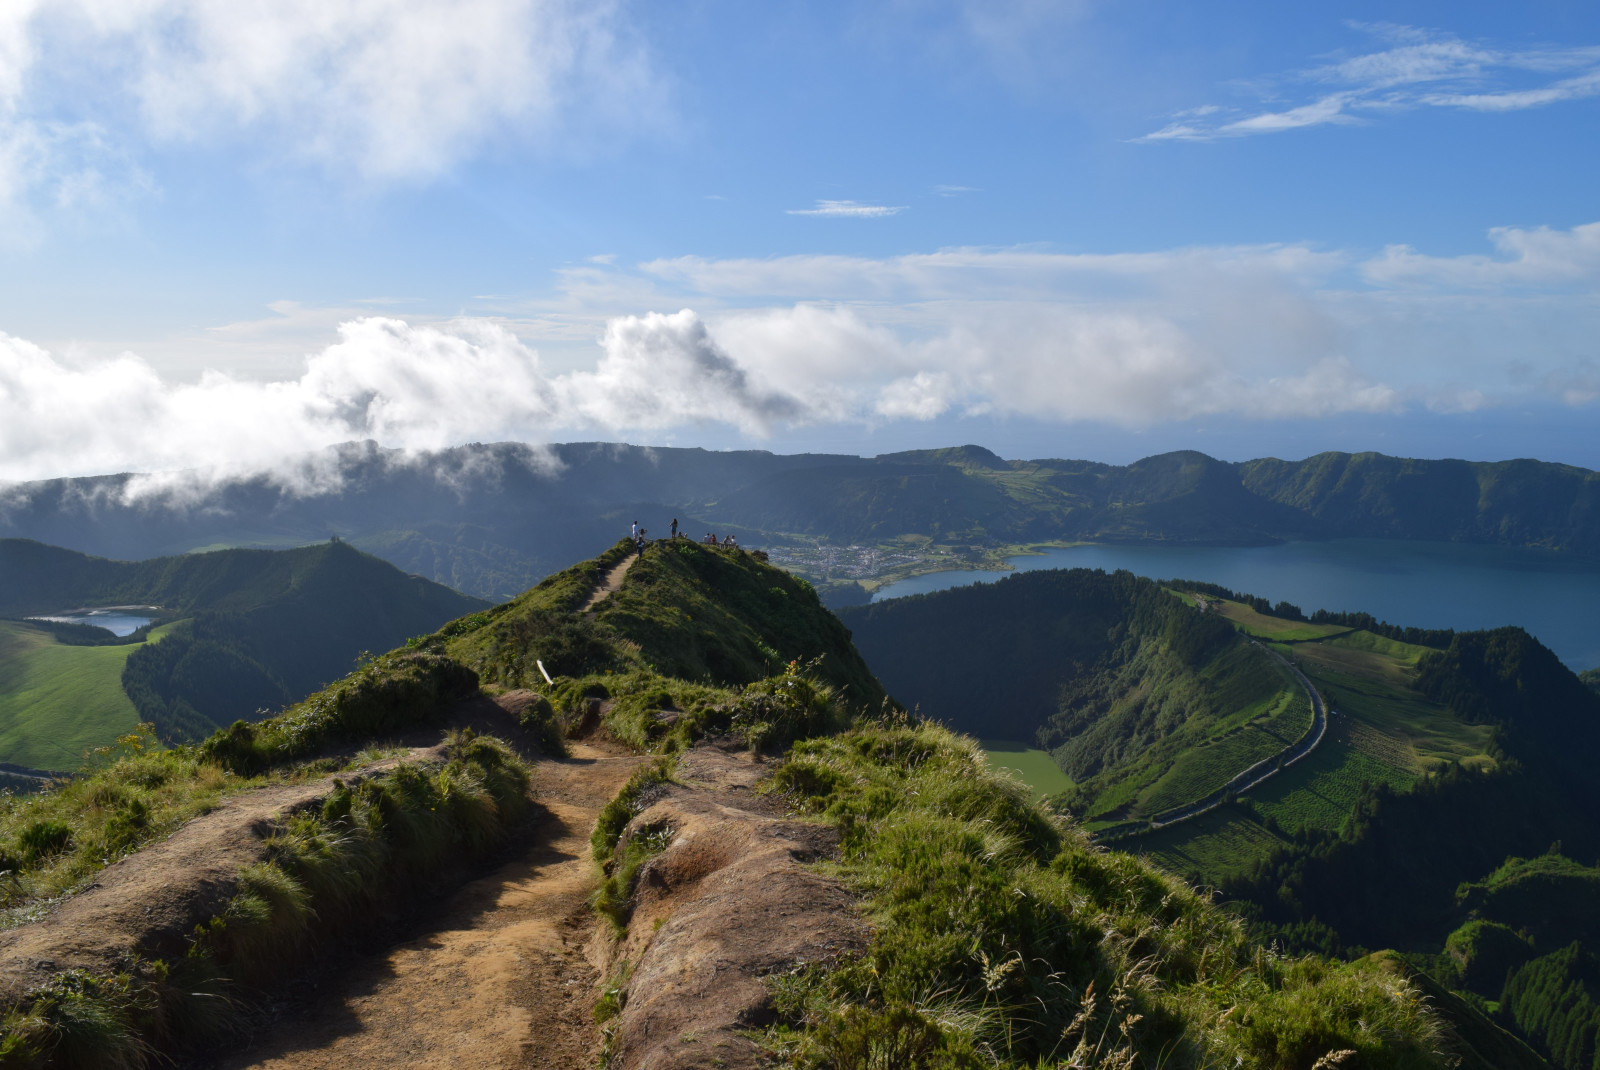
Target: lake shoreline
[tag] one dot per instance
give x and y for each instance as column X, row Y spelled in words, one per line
column 1465, row 586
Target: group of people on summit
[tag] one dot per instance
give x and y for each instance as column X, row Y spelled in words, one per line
column 729, row 542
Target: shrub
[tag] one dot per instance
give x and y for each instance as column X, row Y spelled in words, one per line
column 613, row 898
column 616, row 814
column 540, row 720
column 398, row 691
column 42, row 839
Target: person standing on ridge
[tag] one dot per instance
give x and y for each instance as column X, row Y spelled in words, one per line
column 635, row 535
column 674, row 527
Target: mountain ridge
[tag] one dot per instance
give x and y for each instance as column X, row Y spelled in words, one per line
column 493, row 519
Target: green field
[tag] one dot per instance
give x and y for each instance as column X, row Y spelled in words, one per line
column 1035, row 767
column 1211, row 846
column 1368, row 679
column 58, row 701
column 1277, row 628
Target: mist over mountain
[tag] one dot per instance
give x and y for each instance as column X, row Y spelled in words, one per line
column 491, row 519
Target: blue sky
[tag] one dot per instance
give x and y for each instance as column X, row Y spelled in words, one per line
column 230, row 231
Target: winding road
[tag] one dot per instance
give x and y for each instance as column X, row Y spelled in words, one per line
column 1257, row 774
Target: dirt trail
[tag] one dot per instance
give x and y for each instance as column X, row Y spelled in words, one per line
column 499, row 977
column 150, row 900
column 610, row 584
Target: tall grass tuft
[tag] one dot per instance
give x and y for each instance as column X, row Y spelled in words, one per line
column 1001, row 938
column 370, row 843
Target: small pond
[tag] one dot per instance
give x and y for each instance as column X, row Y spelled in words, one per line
column 118, row 620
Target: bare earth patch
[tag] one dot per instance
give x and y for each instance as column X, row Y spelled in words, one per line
column 497, row 979
column 727, row 903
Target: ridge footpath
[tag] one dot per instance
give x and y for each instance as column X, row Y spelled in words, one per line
column 495, row 977
column 728, row 901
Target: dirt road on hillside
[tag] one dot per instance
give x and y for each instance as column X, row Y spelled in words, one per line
column 498, row 976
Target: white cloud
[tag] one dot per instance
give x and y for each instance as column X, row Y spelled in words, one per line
column 849, row 210
column 1134, row 340
column 1419, row 69
column 664, row 371
column 922, row 396
column 401, row 385
column 379, row 90
column 1540, row 256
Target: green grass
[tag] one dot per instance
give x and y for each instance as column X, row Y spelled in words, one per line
column 1263, row 626
column 1199, row 771
column 1001, row 939
column 1035, row 767
column 1321, row 789
column 1212, row 754
column 1209, row 847
column 59, row 702
column 1373, row 687
column 134, row 794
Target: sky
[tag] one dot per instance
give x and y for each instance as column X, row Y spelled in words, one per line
column 232, row 230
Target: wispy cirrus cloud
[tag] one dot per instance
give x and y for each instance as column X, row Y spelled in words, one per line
column 849, row 210
column 1417, row 68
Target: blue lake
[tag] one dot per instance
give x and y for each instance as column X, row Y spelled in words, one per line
column 118, row 620
column 1428, row 585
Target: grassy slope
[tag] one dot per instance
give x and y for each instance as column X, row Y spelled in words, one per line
column 56, row 701
column 1276, row 628
column 1001, row 939
column 684, row 611
column 1382, row 732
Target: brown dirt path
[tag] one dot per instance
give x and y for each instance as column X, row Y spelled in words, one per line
column 149, row 901
column 610, row 584
column 499, row 979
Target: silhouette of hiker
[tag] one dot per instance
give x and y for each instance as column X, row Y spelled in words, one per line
column 674, row 527
column 635, row 531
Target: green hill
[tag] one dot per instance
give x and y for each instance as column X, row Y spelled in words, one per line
column 1440, row 762
column 997, row 934
column 1144, row 702
column 248, row 630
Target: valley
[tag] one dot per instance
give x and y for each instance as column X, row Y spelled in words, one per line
column 236, row 632
column 59, row 702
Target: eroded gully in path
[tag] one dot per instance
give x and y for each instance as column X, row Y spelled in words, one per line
column 496, row 977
